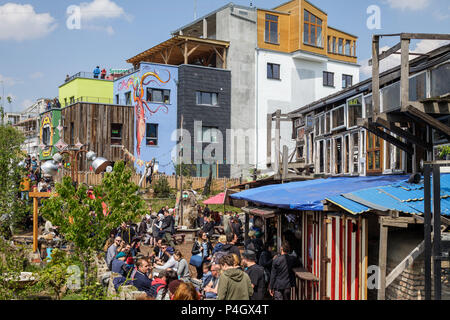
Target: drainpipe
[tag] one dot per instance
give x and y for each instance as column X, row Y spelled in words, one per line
column 256, row 108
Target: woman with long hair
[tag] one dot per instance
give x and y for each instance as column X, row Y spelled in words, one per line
column 186, row 291
column 202, row 246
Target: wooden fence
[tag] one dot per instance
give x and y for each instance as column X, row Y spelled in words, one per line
column 218, row 184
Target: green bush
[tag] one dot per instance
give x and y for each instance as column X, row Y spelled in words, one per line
column 162, row 188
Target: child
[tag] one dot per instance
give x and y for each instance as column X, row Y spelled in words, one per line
column 206, row 278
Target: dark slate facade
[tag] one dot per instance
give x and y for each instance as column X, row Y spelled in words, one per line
column 193, row 79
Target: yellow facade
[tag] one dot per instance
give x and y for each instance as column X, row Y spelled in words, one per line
column 291, row 35
column 86, row 90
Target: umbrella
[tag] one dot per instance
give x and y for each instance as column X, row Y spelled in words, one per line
column 217, row 199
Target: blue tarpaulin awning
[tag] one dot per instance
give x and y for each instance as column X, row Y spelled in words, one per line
column 402, row 197
column 308, row 195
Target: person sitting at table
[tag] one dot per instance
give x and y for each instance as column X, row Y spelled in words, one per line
column 118, row 263
column 161, row 256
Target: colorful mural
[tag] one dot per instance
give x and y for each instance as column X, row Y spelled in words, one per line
column 138, row 97
column 50, row 132
column 149, row 112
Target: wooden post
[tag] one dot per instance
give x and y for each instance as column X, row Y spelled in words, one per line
column 427, row 230
column 205, row 29
column 269, row 140
column 437, row 232
column 185, row 53
column 285, row 163
column 224, row 61
column 404, row 79
column 382, row 260
column 375, row 75
column 277, row 144
column 35, row 224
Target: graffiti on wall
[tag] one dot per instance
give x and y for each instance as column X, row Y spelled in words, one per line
column 141, row 104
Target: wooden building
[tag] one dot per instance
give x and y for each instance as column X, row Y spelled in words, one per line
column 103, row 128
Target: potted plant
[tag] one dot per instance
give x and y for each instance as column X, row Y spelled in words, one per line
column 444, row 153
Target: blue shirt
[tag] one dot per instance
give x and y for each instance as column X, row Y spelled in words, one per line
column 96, row 71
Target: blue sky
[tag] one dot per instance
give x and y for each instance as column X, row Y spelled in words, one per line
column 38, row 50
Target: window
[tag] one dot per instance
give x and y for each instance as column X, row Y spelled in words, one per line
column 354, row 48
column 46, row 135
column 117, row 99
column 300, row 133
column 271, row 34
column 152, row 134
column 354, row 111
column 338, row 118
column 72, row 100
column 338, row 155
column 72, row 129
column 347, row 154
column 347, row 81
column 329, row 44
column 116, row 133
column 347, row 47
column 312, row 33
column 207, row 98
column 328, row 122
column 355, row 152
column 440, row 80
column 321, row 155
column 328, row 79
column 340, row 44
column 128, row 98
column 203, row 170
column 207, row 134
column 328, row 155
column 273, row 71
column 334, row 44
column 158, row 95
column 374, row 153
column 369, row 106
column 390, row 97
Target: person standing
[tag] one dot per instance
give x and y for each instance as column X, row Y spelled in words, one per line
column 103, row 73
column 282, row 277
column 256, row 274
column 168, row 227
column 234, row 284
column 96, row 72
column 201, row 246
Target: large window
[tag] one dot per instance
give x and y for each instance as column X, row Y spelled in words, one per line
column 321, row 155
column 340, row 46
column 328, row 122
column 312, row 33
column 354, row 111
column 390, row 97
column 368, row 106
column 152, row 134
column 440, row 80
column 116, row 134
column 348, row 47
column 347, row 81
column 271, row 34
column 273, row 71
column 328, row 79
column 338, row 118
column 158, row 95
column 418, row 87
column 338, row 155
column 207, row 98
column 355, row 152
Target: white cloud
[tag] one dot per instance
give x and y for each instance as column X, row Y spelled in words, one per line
column 108, row 29
column 409, row 4
column 36, row 75
column 7, row 81
column 21, row 22
column 101, row 9
column 393, row 60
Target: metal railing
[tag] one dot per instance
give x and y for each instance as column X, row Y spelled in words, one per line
column 86, row 75
column 87, row 99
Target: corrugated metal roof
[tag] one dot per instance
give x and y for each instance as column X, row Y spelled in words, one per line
column 401, row 196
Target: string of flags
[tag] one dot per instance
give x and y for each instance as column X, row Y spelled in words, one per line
column 131, row 156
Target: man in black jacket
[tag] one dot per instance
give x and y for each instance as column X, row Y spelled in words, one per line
column 282, row 277
column 230, row 247
column 208, row 227
column 168, row 227
column 141, row 280
column 126, row 233
column 256, row 274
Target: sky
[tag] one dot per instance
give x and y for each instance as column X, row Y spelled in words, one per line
column 38, row 49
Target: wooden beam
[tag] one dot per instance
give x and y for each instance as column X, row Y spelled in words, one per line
column 218, row 54
column 428, row 36
column 35, row 224
column 404, row 70
column 185, row 54
column 398, row 270
column 436, row 124
column 224, row 65
column 382, row 261
column 192, row 50
column 376, row 74
column 381, row 120
column 269, row 140
column 433, row 107
column 387, row 53
column 385, row 136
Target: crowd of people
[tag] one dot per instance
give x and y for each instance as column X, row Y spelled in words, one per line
column 52, row 104
column 227, row 268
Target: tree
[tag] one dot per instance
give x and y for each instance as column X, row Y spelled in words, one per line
column 11, row 174
column 87, row 222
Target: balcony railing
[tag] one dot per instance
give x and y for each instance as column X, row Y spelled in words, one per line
column 87, row 99
column 87, row 75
